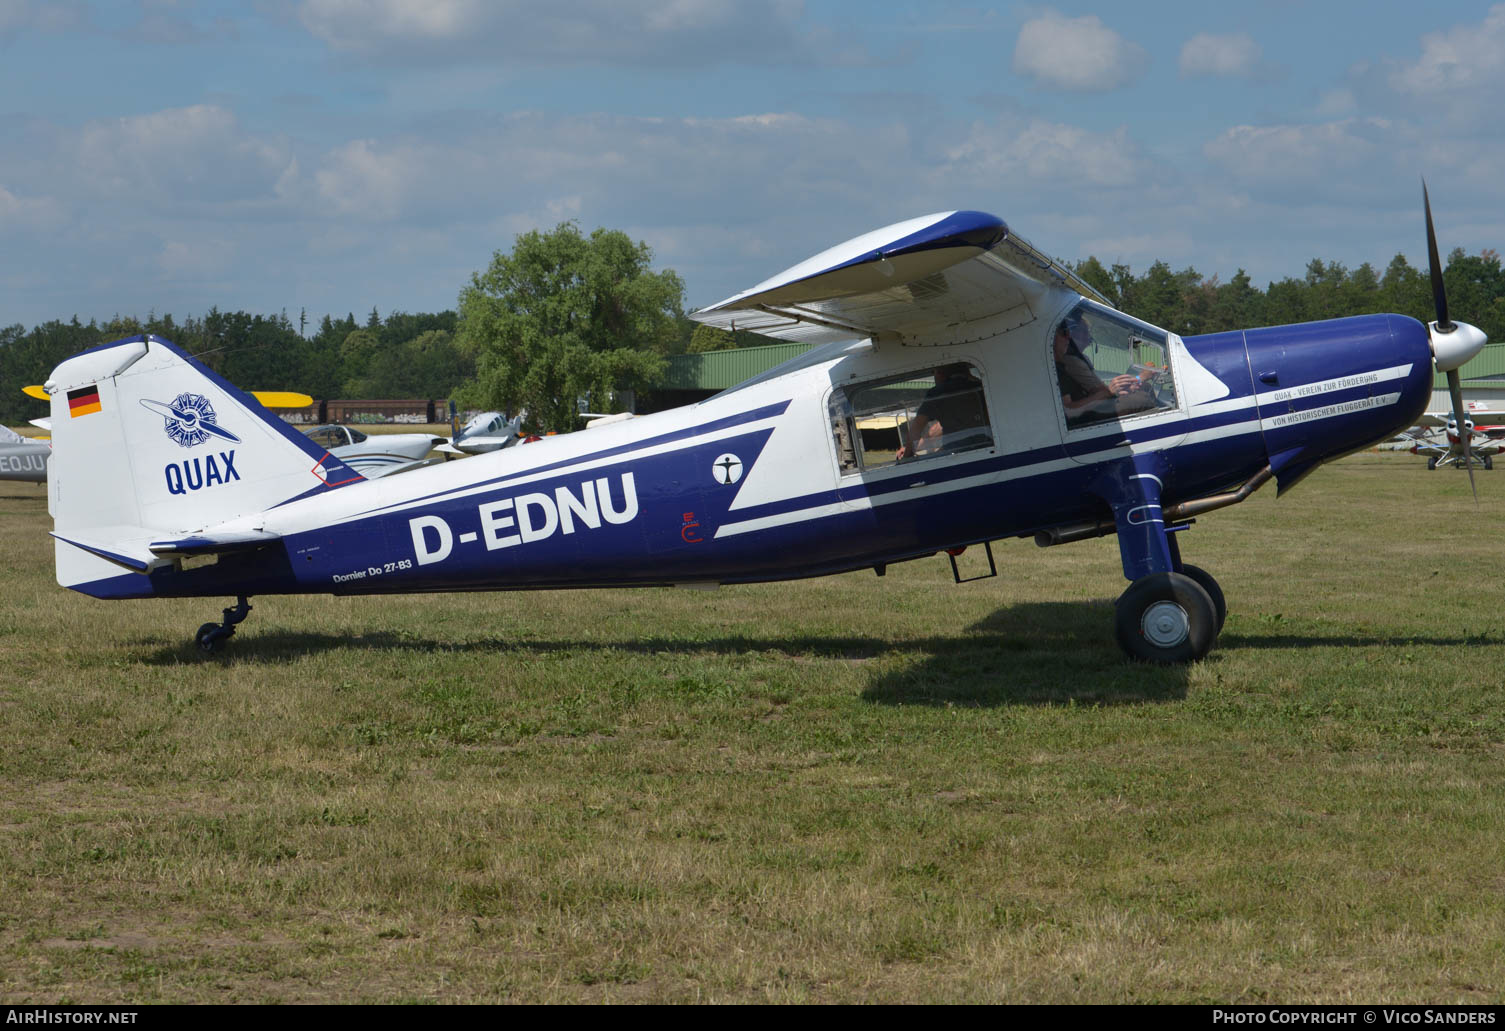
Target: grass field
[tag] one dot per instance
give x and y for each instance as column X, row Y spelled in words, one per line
column 842, row 790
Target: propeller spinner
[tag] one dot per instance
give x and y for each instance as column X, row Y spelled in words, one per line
column 1453, row 343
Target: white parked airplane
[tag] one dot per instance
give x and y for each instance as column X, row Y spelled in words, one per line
column 482, row 434
column 22, row 458
column 375, row 454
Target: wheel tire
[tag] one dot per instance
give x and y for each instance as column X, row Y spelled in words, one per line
column 1488, row 460
column 1214, row 591
column 1431, row 461
column 208, row 638
column 1166, row 618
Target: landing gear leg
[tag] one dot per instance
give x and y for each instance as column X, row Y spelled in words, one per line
column 1172, row 612
column 212, row 635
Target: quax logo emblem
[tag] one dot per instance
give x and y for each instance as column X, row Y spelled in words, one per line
column 189, row 420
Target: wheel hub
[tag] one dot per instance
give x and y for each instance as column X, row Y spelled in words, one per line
column 1165, row 624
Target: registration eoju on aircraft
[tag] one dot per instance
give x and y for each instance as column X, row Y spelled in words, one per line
column 965, row 388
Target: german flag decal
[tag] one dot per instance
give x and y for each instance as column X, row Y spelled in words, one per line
column 83, row 401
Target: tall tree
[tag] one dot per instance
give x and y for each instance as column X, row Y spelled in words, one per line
column 565, row 318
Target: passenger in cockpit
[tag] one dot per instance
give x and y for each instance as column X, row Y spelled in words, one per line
column 950, row 408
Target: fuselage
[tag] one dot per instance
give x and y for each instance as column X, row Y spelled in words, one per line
column 26, row 461
column 752, row 485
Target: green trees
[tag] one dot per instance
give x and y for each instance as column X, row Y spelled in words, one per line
column 709, row 338
column 566, row 317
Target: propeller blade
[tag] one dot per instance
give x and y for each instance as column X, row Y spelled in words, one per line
column 1455, row 388
column 1439, row 291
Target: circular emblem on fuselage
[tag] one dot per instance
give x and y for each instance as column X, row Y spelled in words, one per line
column 727, row 469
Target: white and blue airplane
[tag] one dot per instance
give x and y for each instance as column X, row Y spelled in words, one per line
column 965, row 388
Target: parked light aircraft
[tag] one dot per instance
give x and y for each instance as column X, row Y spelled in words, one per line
column 1023, row 405
column 1444, row 447
column 482, row 434
column 22, row 458
column 373, row 455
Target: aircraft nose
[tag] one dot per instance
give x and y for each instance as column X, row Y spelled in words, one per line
column 1452, row 348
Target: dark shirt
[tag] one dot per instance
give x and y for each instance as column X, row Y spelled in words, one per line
column 956, row 403
column 1077, row 378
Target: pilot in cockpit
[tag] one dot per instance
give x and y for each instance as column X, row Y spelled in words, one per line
column 1086, row 398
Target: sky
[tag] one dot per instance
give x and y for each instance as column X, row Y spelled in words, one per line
column 344, row 155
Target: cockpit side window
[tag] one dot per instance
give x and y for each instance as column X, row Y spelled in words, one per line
column 328, row 437
column 1109, row 367
column 910, row 417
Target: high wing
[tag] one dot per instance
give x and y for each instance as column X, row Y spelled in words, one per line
column 947, row 277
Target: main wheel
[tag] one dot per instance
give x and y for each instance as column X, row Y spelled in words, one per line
column 1166, row 618
column 1207, row 583
column 1431, row 461
column 1489, row 462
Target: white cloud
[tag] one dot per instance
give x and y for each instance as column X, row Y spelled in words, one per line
column 1047, row 153
column 43, row 15
column 1463, row 59
column 1335, row 102
column 179, row 156
column 1208, row 54
column 26, row 212
column 1080, row 55
column 1324, row 154
column 676, row 32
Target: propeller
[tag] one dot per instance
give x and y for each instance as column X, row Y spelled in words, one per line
column 1453, row 343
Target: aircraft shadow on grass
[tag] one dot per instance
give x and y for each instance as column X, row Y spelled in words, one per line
column 1034, row 653
column 1039, row 653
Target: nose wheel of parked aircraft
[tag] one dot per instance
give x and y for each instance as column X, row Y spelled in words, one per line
column 211, row 635
column 1169, row 617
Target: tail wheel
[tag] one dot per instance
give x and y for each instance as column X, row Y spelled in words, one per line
column 1166, row 618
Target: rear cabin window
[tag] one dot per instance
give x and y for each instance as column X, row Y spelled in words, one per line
column 910, row 417
column 1109, row 367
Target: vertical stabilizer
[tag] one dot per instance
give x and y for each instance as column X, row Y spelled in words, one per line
column 148, row 442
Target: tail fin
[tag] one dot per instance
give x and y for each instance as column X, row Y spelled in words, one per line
column 148, row 442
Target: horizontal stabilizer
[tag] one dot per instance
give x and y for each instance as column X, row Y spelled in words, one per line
column 123, row 545
column 213, row 543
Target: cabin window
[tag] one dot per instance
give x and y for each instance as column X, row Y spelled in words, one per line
column 910, row 417
column 1110, row 367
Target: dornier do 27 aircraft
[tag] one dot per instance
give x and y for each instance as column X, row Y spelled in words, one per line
column 965, row 388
